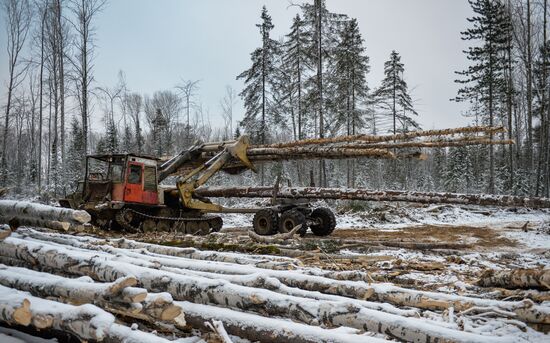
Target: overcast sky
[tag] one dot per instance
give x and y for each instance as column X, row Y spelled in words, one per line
column 157, row 43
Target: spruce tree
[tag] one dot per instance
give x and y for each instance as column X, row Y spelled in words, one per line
column 297, row 63
column 350, row 84
column 259, row 80
column 351, row 68
column 485, row 80
column 458, row 176
column 394, row 98
column 75, row 154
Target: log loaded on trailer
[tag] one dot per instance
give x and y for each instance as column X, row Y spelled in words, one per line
column 123, row 191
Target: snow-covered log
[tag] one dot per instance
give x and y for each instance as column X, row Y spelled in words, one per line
column 5, row 231
column 266, row 329
column 86, row 322
column 374, row 195
column 260, row 261
column 516, row 278
column 72, row 290
column 25, row 209
column 220, row 292
column 35, row 222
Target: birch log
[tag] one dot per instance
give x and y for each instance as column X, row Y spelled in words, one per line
column 265, row 329
column 220, row 292
column 374, row 195
column 11, row 209
column 76, row 292
column 516, row 278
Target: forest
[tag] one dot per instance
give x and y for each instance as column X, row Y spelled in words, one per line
column 309, row 83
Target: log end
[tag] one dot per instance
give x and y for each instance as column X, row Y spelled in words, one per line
column 23, row 315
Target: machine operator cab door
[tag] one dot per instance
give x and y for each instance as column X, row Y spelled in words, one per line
column 140, row 185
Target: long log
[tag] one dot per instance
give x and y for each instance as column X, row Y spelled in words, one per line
column 11, row 209
column 220, row 292
column 430, row 144
column 516, row 278
column 374, row 195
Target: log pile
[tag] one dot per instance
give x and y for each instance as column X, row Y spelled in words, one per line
column 171, row 288
column 399, row 146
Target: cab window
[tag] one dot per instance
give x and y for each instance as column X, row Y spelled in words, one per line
column 116, row 172
column 134, row 174
column 150, row 179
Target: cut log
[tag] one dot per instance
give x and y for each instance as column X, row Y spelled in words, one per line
column 516, row 278
column 12, row 209
column 76, row 292
column 5, row 231
column 373, row 195
column 34, row 222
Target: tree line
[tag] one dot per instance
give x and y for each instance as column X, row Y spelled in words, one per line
column 312, row 82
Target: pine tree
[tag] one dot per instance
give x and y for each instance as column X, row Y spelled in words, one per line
column 259, row 80
column 393, row 96
column 485, row 79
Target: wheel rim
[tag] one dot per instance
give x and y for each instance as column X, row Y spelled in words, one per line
column 289, row 225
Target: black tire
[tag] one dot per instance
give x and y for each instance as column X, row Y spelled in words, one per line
column 291, row 219
column 216, row 224
column 265, row 222
column 326, row 219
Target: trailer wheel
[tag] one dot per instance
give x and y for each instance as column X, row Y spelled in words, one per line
column 265, row 222
column 325, row 219
column 290, row 219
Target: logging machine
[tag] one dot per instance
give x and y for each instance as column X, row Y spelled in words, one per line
column 124, row 191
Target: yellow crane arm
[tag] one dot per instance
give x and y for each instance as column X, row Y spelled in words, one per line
column 187, row 184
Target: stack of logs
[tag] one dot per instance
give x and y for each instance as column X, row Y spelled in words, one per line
column 403, row 145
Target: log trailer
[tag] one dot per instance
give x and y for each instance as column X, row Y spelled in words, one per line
column 124, row 191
